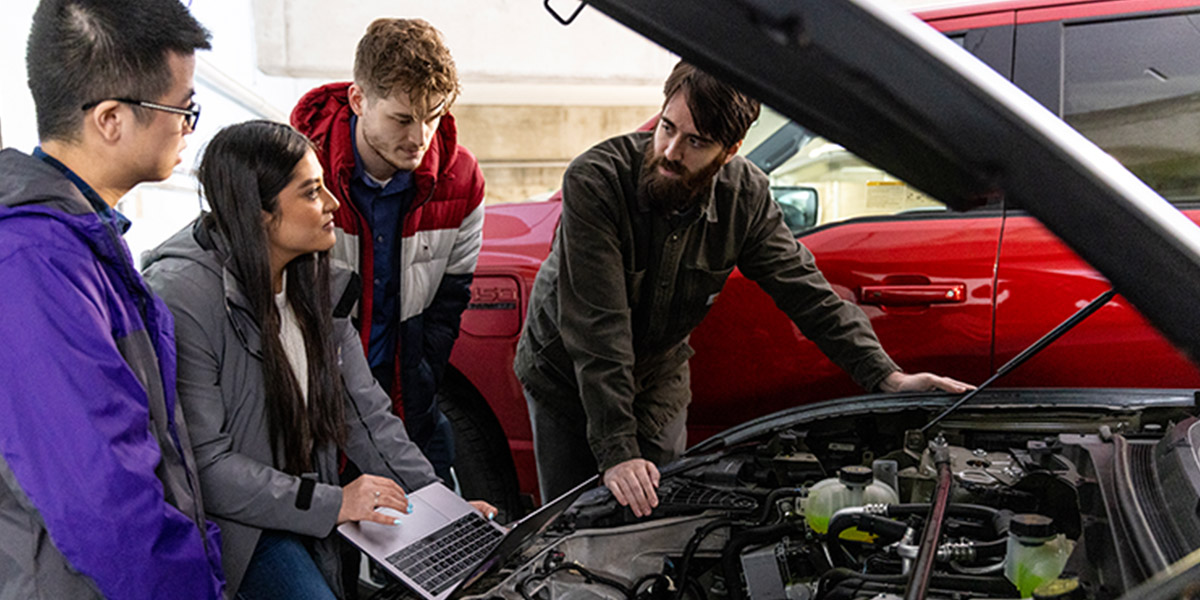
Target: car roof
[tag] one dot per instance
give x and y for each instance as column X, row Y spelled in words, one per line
column 905, row 98
column 1036, row 11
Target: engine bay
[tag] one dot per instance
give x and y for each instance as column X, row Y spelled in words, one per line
column 1031, row 500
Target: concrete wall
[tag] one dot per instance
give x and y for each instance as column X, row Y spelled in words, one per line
column 535, row 93
column 523, row 150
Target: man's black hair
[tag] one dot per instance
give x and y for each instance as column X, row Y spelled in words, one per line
column 83, row 51
column 718, row 110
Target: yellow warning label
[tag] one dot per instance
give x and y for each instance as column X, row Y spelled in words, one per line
column 886, row 194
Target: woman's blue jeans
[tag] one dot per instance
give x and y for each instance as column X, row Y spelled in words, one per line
column 282, row 569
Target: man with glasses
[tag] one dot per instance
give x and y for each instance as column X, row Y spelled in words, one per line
column 99, row 494
column 191, row 114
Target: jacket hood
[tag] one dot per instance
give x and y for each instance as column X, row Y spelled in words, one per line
column 208, row 249
column 183, row 245
column 32, row 189
column 209, row 255
column 324, row 112
column 29, row 181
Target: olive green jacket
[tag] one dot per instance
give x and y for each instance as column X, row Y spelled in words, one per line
column 615, row 302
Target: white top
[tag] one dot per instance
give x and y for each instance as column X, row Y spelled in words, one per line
column 382, row 183
column 292, row 340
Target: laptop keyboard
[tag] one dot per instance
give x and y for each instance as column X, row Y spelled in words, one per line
column 436, row 562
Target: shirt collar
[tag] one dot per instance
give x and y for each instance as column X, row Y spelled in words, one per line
column 106, row 212
column 710, row 204
column 359, row 172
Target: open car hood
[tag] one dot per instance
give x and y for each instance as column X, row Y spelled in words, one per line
column 900, row 95
column 742, row 516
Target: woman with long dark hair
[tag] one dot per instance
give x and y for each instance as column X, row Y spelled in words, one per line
column 272, row 377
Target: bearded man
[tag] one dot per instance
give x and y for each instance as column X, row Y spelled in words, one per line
column 652, row 225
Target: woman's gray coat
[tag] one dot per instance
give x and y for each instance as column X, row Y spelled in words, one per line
column 222, row 392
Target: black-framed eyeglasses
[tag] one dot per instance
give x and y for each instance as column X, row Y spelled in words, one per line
column 191, row 114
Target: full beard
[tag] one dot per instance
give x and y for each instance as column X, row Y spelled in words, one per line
column 667, row 195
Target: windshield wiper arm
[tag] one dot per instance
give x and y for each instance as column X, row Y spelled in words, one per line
column 1029, row 352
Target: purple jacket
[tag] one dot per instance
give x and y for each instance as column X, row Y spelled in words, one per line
column 98, row 490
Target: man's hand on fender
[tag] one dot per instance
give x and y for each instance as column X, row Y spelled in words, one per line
column 632, row 483
column 899, row 381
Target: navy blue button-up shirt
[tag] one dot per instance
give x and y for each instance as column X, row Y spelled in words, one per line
column 383, row 207
column 108, row 214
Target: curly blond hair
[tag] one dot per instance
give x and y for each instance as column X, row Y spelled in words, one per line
column 410, row 56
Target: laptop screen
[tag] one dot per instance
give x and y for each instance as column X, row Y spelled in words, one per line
column 522, row 533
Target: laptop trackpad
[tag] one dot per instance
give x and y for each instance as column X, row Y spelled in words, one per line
column 434, row 506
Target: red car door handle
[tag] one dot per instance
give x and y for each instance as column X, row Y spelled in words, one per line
column 912, row 295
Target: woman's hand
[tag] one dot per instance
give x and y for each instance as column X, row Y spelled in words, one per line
column 363, row 495
column 485, row 509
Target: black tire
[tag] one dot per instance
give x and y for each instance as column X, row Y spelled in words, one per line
column 483, row 462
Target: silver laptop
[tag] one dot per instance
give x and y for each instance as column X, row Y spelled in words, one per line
column 445, row 544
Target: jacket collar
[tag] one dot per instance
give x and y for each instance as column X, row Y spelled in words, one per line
column 32, row 186
column 344, row 283
column 107, row 213
column 324, row 115
column 28, row 181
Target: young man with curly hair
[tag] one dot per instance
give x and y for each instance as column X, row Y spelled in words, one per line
column 411, row 215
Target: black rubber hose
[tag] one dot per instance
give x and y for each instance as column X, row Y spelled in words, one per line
column 887, row 529
column 774, row 495
column 689, row 552
column 643, row 580
column 696, row 589
column 997, row 518
column 588, row 577
column 991, row 549
column 994, row 585
column 969, row 511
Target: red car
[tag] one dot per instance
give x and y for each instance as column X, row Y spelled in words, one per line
column 957, row 293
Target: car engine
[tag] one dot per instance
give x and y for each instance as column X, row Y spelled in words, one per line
column 1073, row 503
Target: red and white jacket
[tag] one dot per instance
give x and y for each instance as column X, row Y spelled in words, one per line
column 442, row 230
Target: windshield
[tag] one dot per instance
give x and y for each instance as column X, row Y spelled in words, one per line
column 1128, row 85
column 1131, row 86
column 817, row 182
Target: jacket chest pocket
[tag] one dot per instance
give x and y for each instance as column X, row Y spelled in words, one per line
column 698, row 290
column 423, row 251
column 427, row 246
column 701, row 286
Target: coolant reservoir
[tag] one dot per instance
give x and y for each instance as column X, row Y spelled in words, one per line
column 1035, row 553
column 854, row 486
